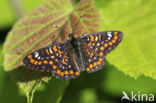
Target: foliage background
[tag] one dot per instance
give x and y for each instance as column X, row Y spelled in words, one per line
column 131, row 67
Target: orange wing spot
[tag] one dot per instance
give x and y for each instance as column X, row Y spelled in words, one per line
column 90, row 43
column 64, row 62
column 76, row 73
column 66, row 72
column 115, row 33
column 91, row 66
column 58, row 71
column 105, row 45
column 98, row 62
column 113, row 41
column 99, row 36
column 32, row 60
column 51, row 62
column 87, row 69
column 115, row 37
column 101, row 48
column 66, row 57
column 62, row 74
column 47, row 51
column 40, row 62
column 101, row 53
column 30, row 56
column 100, row 59
column 54, row 48
column 54, row 66
column 92, row 38
column 91, row 55
column 71, row 72
column 60, row 52
column 45, row 62
column 110, row 43
column 87, row 50
column 95, row 64
column 35, row 62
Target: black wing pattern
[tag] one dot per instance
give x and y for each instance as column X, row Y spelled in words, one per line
column 55, row 58
column 96, row 46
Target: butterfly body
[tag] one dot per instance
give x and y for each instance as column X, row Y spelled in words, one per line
column 76, row 51
column 68, row 58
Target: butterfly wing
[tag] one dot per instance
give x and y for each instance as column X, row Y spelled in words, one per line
column 68, row 67
column 92, row 61
column 55, row 58
column 96, row 46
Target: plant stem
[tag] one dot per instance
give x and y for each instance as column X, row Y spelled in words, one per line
column 16, row 5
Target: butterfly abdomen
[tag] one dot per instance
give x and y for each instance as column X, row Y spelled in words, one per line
column 75, row 46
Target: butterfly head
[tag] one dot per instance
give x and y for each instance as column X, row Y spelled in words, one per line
column 71, row 35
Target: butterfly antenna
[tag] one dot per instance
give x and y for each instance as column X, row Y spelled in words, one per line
column 75, row 26
column 60, row 28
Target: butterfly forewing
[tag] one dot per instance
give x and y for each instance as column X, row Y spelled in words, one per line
column 55, row 58
column 46, row 59
column 98, row 45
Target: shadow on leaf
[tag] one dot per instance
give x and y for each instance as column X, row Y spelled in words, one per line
column 23, row 74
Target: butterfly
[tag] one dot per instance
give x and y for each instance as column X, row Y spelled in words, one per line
column 66, row 59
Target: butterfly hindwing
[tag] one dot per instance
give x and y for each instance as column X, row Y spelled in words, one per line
column 67, row 68
column 92, row 61
column 97, row 46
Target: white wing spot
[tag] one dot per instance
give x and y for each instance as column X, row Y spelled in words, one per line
column 88, row 39
column 52, row 57
column 59, row 47
column 109, row 34
column 98, row 44
column 96, row 38
column 56, row 60
column 69, row 66
column 50, row 50
column 39, row 58
column 89, row 53
column 56, row 54
column 36, row 54
column 89, row 60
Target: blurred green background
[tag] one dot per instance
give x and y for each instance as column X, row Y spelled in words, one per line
column 86, row 89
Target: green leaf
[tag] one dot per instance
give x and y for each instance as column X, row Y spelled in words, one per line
column 136, row 55
column 12, row 8
column 52, row 93
column 7, row 87
column 8, row 17
column 36, row 30
column 116, row 82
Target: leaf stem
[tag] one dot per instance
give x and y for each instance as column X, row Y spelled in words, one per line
column 17, row 7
